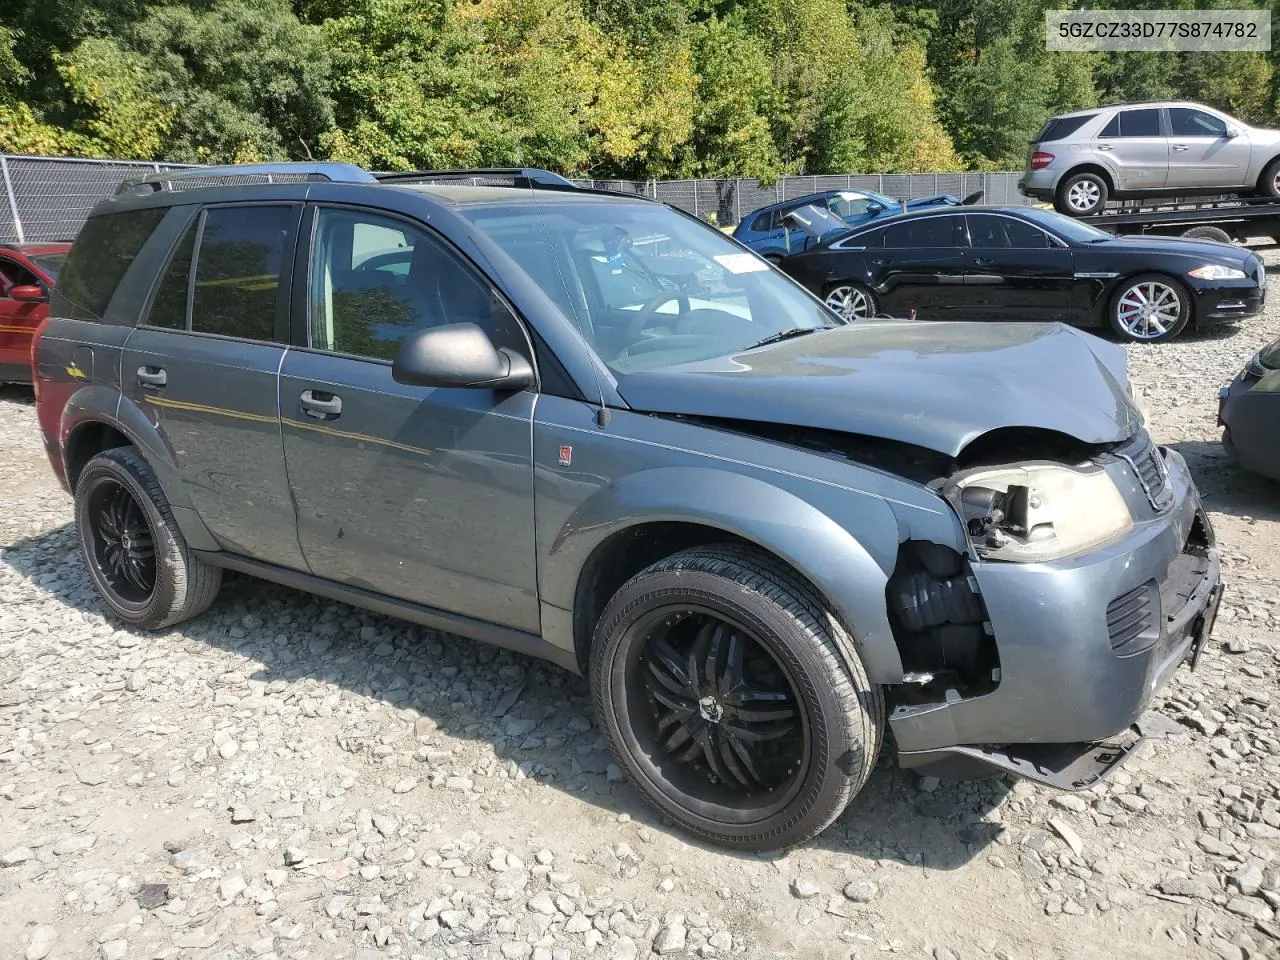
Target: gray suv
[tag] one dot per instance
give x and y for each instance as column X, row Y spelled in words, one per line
column 1080, row 160
column 591, row 428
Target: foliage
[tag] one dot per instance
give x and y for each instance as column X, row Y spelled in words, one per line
column 601, row 88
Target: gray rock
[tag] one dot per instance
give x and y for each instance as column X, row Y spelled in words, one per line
column 193, row 860
column 624, row 949
column 804, row 888
column 114, row 949
column 1069, row 801
column 77, row 844
column 1187, row 887
column 672, row 935
column 861, row 890
column 41, row 943
column 16, row 856
column 543, row 904
column 1249, row 907
column 945, row 953
column 1248, row 879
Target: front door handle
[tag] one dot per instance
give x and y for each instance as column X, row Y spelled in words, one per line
column 1104, row 146
column 1180, row 147
column 321, row 405
column 152, row 376
column 983, row 261
column 880, row 261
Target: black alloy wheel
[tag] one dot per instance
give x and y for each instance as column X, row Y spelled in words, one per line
column 123, row 543
column 714, row 716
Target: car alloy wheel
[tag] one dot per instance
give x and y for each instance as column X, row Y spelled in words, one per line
column 851, row 302
column 723, row 722
column 1083, row 196
column 122, row 542
column 1149, row 310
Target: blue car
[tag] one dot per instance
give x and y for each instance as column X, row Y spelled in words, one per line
column 765, row 232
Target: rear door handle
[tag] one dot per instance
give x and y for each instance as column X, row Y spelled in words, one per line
column 152, row 376
column 880, row 261
column 1104, row 146
column 983, row 261
column 321, row 405
column 1180, row 147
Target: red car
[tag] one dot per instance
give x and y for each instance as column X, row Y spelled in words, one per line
column 27, row 271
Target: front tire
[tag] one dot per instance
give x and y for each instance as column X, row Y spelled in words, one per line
column 136, row 556
column 1149, row 308
column 852, row 301
column 1081, row 195
column 733, row 698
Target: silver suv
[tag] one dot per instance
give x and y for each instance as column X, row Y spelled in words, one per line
column 1080, row 160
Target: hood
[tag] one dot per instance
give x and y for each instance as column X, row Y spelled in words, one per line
column 934, row 384
column 815, row 221
column 1207, row 249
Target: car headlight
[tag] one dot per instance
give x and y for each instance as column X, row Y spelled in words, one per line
column 1213, row 271
column 1254, row 367
column 1037, row 512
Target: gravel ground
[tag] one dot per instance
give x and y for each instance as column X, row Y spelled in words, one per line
column 289, row 777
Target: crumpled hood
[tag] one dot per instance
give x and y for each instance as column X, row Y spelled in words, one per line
column 935, row 384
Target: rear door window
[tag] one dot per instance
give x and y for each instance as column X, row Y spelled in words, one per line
column 240, row 253
column 1133, row 123
column 925, row 232
column 993, row 232
column 99, row 257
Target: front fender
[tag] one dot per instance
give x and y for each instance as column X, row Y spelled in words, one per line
column 836, row 561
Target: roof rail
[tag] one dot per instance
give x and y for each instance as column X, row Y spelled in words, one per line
column 164, row 180
column 524, row 177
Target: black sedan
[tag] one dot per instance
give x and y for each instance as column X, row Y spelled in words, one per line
column 1249, row 412
column 1023, row 263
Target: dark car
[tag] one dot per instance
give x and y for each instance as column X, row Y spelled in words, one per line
column 767, row 232
column 1023, row 263
column 1249, row 413
column 594, row 429
column 27, row 272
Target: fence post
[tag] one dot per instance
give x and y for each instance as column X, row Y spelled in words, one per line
column 695, row 198
column 737, row 201
column 13, row 203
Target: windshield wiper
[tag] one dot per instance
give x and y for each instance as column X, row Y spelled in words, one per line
column 786, row 335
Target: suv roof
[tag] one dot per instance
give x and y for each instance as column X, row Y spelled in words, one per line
column 1133, row 103
column 455, row 186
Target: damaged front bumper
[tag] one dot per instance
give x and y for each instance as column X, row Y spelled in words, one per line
column 1085, row 644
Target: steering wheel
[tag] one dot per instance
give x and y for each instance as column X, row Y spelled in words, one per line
column 641, row 320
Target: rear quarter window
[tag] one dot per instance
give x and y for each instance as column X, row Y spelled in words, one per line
column 1060, row 128
column 98, row 259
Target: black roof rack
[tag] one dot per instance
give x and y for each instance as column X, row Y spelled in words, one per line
column 175, row 179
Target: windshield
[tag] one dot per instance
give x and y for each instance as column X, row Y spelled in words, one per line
column 50, row 263
column 1065, row 226
column 648, row 287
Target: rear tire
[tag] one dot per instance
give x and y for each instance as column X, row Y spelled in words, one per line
column 1081, row 195
column 1149, row 308
column 133, row 550
column 1216, row 234
column 733, row 698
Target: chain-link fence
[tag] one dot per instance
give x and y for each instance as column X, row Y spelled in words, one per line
column 48, row 198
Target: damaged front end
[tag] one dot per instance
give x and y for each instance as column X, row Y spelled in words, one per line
column 1086, row 580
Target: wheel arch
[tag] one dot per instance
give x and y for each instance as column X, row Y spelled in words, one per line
column 97, row 419
column 1262, row 171
column 653, row 514
column 1088, row 167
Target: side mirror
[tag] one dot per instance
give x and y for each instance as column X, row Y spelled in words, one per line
column 459, row 355
column 1233, row 132
column 28, row 293
column 874, row 209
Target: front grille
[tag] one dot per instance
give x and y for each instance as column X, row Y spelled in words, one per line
column 1131, row 620
column 1148, row 463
